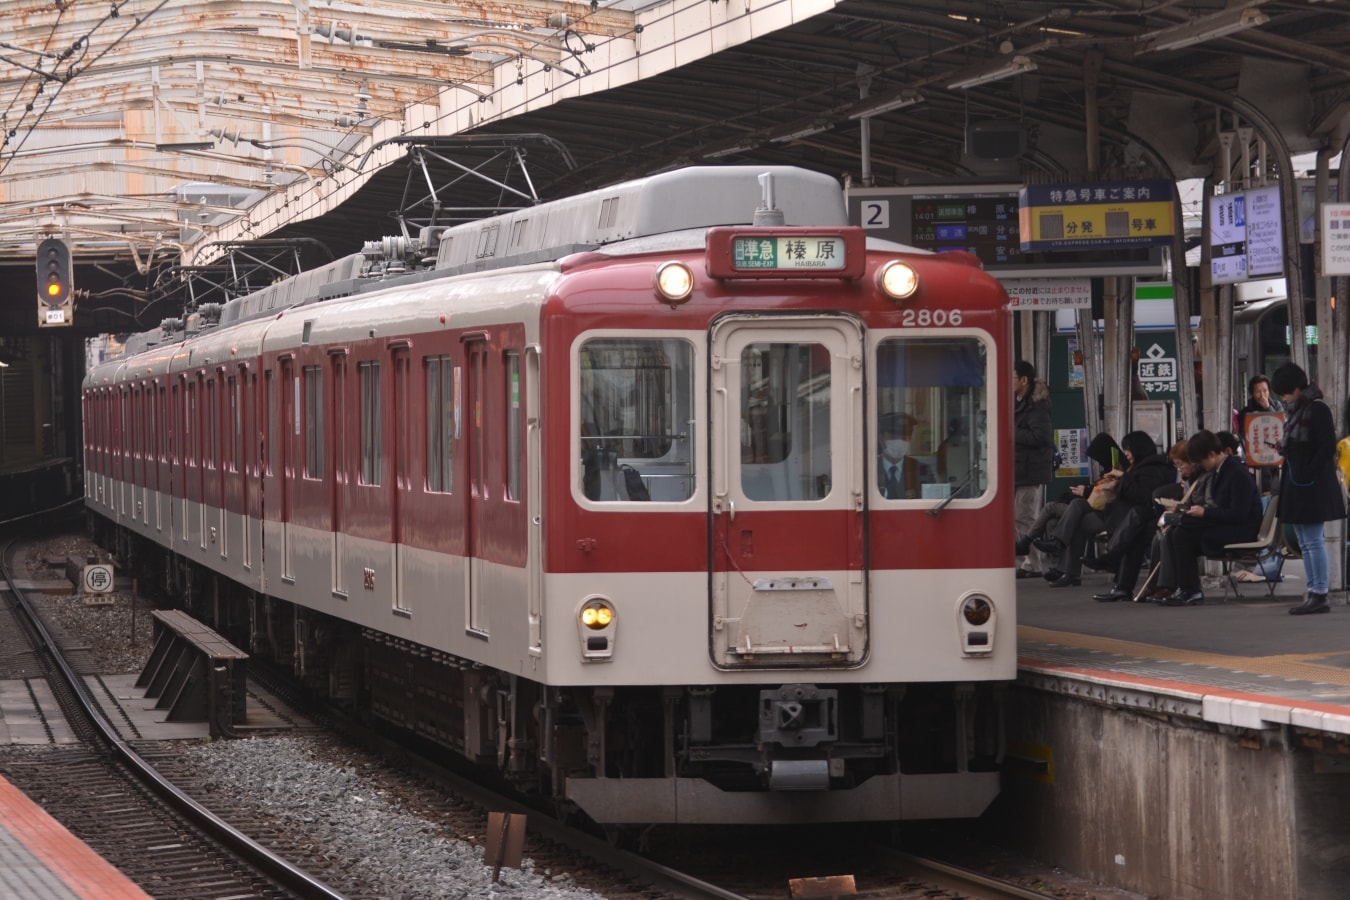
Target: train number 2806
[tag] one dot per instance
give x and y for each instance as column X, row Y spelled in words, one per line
column 924, row 318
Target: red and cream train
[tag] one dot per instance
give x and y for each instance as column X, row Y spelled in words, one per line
column 592, row 492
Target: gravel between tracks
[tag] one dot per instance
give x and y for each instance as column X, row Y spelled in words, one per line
column 316, row 792
column 327, row 798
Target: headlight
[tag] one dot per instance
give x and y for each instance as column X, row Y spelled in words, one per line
column 597, row 615
column 897, row 279
column 596, row 628
column 674, row 282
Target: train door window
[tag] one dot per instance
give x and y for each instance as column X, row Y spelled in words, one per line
column 513, row 411
column 442, row 415
column 173, row 435
column 190, row 422
column 371, row 438
column 312, row 413
column 932, row 412
column 785, row 421
column 151, row 433
column 266, row 461
column 477, row 437
column 402, row 430
column 339, row 410
column 635, row 415
column 135, row 435
column 236, row 424
column 211, row 431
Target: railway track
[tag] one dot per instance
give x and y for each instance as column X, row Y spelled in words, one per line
column 168, row 862
column 103, row 791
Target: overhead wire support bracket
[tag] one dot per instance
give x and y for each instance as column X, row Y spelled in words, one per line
column 430, row 161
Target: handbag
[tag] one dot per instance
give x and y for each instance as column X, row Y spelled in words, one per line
column 1103, row 493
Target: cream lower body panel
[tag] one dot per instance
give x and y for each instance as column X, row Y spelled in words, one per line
column 662, row 631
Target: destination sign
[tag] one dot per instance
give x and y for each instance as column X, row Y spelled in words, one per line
column 748, row 251
column 796, row 252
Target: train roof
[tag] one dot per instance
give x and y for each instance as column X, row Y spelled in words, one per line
column 629, row 217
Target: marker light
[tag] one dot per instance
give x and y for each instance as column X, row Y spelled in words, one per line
column 897, row 279
column 976, row 610
column 596, row 615
column 674, row 282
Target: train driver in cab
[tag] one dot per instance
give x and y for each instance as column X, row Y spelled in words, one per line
column 899, row 472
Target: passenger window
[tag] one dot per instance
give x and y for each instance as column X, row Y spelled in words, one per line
column 636, row 440
column 932, row 416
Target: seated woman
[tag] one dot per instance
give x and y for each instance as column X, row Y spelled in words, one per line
column 1231, row 512
column 1125, row 552
column 1104, row 451
column 1146, row 470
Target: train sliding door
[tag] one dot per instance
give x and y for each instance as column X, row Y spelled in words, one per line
column 788, row 473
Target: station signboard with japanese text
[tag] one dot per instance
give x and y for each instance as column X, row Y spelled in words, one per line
column 1246, row 237
column 1110, row 215
column 1336, row 239
column 985, row 220
column 1049, row 293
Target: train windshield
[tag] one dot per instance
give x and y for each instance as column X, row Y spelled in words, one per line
column 932, row 414
column 637, row 440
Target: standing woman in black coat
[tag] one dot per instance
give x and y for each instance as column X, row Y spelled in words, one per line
column 1310, row 494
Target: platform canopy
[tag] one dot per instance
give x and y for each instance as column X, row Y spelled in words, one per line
column 153, row 133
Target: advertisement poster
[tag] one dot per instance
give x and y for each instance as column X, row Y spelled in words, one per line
column 1261, row 435
column 1072, row 444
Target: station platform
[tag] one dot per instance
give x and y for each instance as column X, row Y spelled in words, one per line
column 1237, row 660
column 41, row 860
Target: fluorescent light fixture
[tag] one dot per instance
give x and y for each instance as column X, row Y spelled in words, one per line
column 1205, row 28
column 187, row 145
column 1015, row 65
column 802, row 131
column 876, row 106
column 719, row 152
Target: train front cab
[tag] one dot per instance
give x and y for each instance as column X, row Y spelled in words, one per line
column 854, row 644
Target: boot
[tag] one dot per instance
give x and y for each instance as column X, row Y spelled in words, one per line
column 1313, row 603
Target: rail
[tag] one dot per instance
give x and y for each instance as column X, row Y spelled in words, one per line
column 280, row 870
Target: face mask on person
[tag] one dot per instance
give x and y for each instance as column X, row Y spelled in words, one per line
column 895, row 448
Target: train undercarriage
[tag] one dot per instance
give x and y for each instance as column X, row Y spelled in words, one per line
column 772, row 752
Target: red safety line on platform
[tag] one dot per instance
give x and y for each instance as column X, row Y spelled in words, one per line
column 66, row 856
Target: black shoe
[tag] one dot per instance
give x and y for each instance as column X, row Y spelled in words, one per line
column 1157, row 595
column 1027, row 573
column 1313, row 603
column 1183, row 597
column 1053, row 575
column 1023, row 545
column 1112, row 596
column 1066, row 580
column 1048, row 544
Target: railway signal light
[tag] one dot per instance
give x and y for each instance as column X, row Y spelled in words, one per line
column 55, row 283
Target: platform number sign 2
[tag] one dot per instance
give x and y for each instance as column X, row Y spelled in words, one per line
column 876, row 214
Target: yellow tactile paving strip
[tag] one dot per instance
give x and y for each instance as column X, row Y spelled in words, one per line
column 1302, row 666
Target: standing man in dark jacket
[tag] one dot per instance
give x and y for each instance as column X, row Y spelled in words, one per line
column 1033, row 456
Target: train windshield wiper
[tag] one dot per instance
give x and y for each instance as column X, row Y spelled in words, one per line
column 951, row 495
